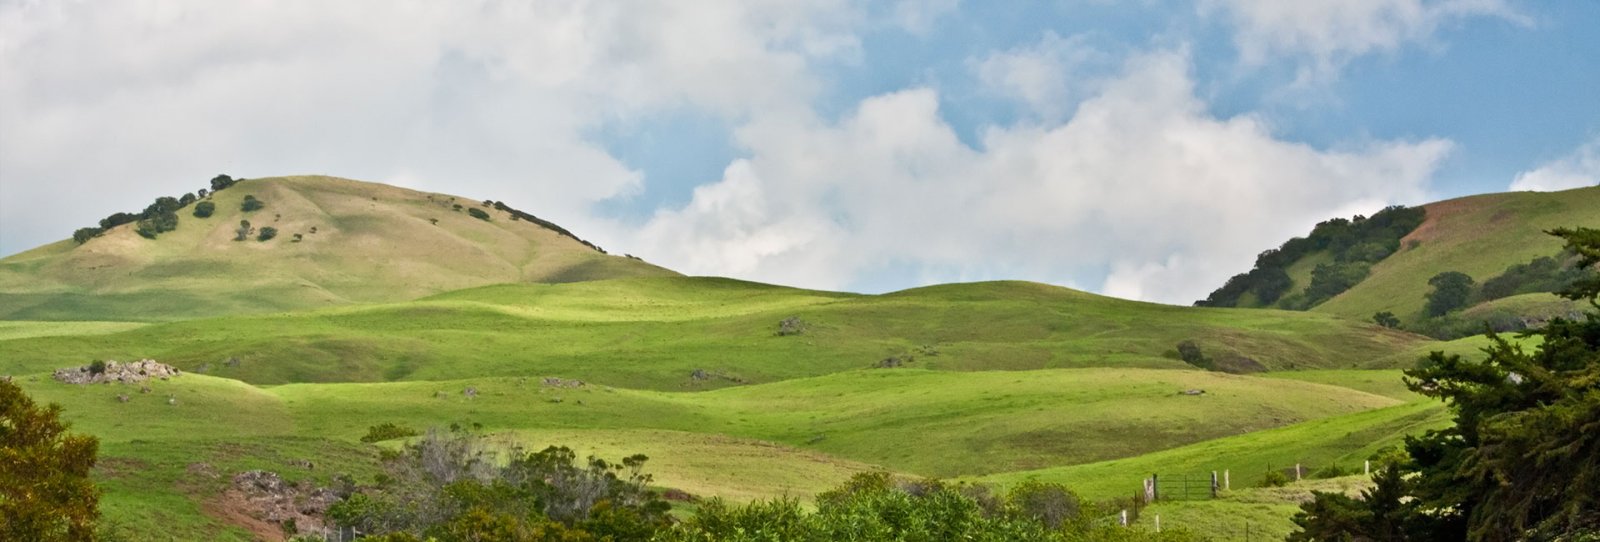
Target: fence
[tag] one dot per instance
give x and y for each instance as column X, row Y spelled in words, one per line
column 1182, row 487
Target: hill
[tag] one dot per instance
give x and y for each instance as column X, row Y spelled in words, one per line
column 339, row 242
column 675, row 333
column 1388, row 268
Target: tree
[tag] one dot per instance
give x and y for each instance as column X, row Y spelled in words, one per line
column 267, row 233
column 1451, row 289
column 220, row 182
column 251, row 204
column 83, row 235
column 45, row 489
column 204, row 209
column 1522, row 459
column 478, row 213
column 243, row 232
column 187, row 199
column 1386, row 319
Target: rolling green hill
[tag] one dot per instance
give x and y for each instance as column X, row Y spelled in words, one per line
column 1480, row 236
column 358, row 243
column 654, row 333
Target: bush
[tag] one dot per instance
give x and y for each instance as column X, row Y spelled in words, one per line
column 97, row 367
column 243, row 231
column 1190, row 353
column 46, row 492
column 388, row 431
column 792, row 325
column 251, row 204
column 1451, row 289
column 83, row 235
column 1275, row 479
column 478, row 213
column 1386, row 319
column 220, row 182
column 267, row 232
column 204, row 209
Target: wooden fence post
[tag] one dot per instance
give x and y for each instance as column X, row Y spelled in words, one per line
column 1226, row 482
column 1213, row 484
column 1155, row 485
column 1158, row 523
column 1124, row 517
column 1296, row 472
column 1367, row 468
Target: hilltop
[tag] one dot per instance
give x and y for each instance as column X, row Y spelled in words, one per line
column 1479, row 236
column 337, row 242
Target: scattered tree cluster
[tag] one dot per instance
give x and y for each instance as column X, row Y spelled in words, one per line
column 45, row 489
column 159, row 217
column 1542, row 274
column 1522, row 459
column 479, row 214
column 1355, row 244
column 546, row 224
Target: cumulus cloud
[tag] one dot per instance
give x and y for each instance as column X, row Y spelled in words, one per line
column 1046, row 77
column 1141, row 180
column 117, row 102
column 1576, row 170
column 1331, row 32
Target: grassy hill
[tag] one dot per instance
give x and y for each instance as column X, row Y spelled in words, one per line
column 1477, row 235
column 1480, row 236
column 358, row 243
column 654, row 333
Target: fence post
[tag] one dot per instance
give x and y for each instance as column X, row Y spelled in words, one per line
column 1296, row 472
column 1155, row 486
column 1149, row 490
column 1213, row 484
column 1226, row 482
column 1124, row 517
column 1367, row 468
column 1158, row 523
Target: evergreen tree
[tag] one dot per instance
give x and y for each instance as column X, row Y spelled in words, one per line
column 45, row 490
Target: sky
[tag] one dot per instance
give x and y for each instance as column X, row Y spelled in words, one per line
column 1142, row 149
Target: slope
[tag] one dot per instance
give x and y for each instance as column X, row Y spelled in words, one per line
column 1477, row 235
column 340, row 242
column 679, row 333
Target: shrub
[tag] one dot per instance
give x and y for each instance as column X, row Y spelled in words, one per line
column 478, row 213
column 97, row 367
column 251, row 204
column 1190, row 353
column 46, row 492
column 1386, row 319
column 204, row 209
column 83, row 235
column 792, row 325
column 388, row 431
column 220, row 182
column 1275, row 479
column 243, row 232
column 267, row 232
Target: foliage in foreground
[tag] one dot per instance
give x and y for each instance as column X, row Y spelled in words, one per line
column 450, row 487
column 1522, row 461
column 45, row 490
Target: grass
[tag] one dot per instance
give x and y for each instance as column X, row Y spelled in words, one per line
column 422, row 246
column 15, row 329
column 1246, row 514
column 653, row 333
column 1477, row 235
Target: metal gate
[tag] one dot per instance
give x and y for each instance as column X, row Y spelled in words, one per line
column 1185, row 487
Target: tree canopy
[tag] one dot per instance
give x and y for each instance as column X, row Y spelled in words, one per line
column 45, row 490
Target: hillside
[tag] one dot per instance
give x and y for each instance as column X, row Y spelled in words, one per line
column 339, row 242
column 1480, row 236
column 655, row 333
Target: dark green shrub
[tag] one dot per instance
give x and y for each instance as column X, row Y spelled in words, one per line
column 204, row 209
column 1386, row 319
column 83, row 235
column 97, row 367
column 220, row 182
column 1189, row 352
column 267, row 232
column 478, row 213
column 243, row 231
column 1275, row 479
column 1330, row 471
column 251, row 204
column 1451, row 289
column 388, row 431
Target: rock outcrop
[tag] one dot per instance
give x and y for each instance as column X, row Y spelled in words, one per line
column 115, row 371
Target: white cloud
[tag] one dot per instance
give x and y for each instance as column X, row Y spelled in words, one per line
column 118, row 102
column 1331, row 32
column 919, row 16
column 1141, row 179
column 1046, row 76
column 1576, row 170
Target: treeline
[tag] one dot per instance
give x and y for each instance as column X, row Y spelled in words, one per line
column 1355, row 245
column 448, row 486
column 160, row 216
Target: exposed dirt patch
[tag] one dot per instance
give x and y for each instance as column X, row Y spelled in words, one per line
column 1440, row 212
column 229, row 508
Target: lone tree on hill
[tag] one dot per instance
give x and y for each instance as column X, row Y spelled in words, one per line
column 243, row 232
column 45, row 490
column 1386, row 319
column 204, row 209
column 1451, row 289
column 251, row 204
column 1522, row 460
column 220, row 182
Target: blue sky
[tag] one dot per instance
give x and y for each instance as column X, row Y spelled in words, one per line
column 1140, row 149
